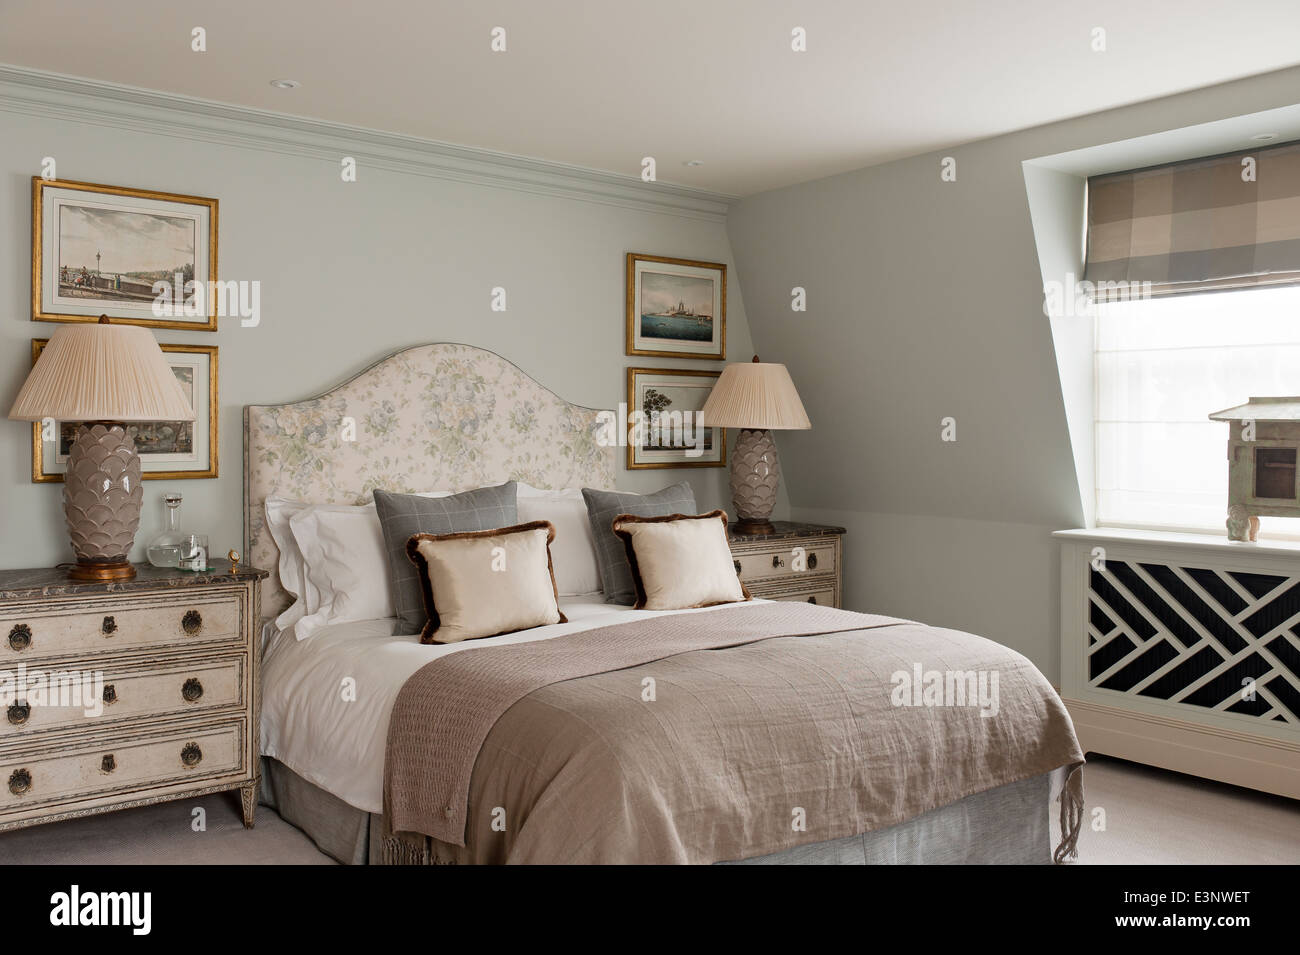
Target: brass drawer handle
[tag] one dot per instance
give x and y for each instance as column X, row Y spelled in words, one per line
column 812, row 561
column 110, row 693
column 192, row 690
column 777, row 561
column 107, row 764
column 20, row 782
column 736, row 564
column 192, row 622
column 19, row 713
column 191, row 755
column 20, row 637
column 108, row 627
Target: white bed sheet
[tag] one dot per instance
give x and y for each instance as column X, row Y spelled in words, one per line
column 326, row 700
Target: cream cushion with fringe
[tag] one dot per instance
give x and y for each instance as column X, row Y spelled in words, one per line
column 680, row 561
column 486, row 583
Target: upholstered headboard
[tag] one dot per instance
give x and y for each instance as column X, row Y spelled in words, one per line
column 433, row 417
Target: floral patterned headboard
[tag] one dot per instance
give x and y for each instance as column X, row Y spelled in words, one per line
column 433, row 417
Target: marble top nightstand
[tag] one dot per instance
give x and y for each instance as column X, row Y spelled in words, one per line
column 794, row 561
column 162, row 692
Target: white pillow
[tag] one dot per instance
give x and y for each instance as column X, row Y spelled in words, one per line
column 573, row 551
column 293, row 572
column 292, row 567
column 680, row 561
column 343, row 550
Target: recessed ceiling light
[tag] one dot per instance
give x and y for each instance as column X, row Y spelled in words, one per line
column 285, row 84
column 1263, row 137
column 693, row 162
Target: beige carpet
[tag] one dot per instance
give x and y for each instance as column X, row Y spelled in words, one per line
column 163, row 835
column 1152, row 816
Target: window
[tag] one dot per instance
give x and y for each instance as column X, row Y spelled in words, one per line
column 1162, row 366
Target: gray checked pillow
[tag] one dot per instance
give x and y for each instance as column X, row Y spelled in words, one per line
column 402, row 515
column 611, row 553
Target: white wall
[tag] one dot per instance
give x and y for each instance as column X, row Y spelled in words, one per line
column 349, row 273
column 925, row 301
column 1058, row 204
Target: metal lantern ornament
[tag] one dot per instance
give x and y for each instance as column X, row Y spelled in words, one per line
column 1263, row 443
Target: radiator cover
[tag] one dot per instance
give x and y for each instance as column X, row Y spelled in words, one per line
column 1158, row 633
column 1187, row 634
column 1217, row 639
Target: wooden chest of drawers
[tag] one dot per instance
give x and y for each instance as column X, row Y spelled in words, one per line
column 794, row 561
column 129, row 693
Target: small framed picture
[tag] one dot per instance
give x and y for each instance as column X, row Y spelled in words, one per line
column 667, row 433
column 169, row 450
column 143, row 258
column 676, row 308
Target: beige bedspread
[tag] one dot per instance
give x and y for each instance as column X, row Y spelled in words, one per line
column 712, row 736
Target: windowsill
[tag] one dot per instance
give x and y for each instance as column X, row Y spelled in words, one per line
column 1211, row 542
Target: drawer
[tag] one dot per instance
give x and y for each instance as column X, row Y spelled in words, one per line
column 782, row 560
column 823, row 594
column 116, row 625
column 126, row 765
column 125, row 693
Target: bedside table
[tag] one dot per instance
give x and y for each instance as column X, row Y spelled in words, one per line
column 793, row 562
column 169, row 658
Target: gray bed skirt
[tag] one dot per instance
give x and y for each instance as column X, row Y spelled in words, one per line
column 1009, row 825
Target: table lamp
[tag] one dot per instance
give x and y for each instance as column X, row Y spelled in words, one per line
column 757, row 398
column 102, row 375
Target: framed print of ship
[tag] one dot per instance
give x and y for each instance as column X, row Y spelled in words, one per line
column 676, row 308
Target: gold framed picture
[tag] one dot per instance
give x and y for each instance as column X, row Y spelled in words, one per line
column 663, row 406
column 169, row 450
column 676, row 308
column 140, row 257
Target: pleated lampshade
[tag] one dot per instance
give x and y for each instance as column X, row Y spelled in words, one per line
column 101, row 372
column 755, row 395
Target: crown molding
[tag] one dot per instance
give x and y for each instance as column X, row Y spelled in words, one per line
column 94, row 102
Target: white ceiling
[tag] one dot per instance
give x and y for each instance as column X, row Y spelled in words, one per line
column 602, row 83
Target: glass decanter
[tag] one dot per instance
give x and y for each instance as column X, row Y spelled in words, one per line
column 166, row 549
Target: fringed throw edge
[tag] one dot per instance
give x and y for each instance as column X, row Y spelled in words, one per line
column 1071, row 800
column 404, row 849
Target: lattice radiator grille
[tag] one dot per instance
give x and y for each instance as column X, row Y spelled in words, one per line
column 1192, row 635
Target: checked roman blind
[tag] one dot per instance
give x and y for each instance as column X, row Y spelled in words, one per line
column 1222, row 222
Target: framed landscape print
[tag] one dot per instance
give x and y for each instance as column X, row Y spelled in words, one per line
column 669, row 435
column 98, row 250
column 676, row 308
column 169, row 450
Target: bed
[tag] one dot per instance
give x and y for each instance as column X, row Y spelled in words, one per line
column 743, row 770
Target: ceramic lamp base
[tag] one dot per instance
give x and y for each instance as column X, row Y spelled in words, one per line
column 102, row 497
column 755, row 477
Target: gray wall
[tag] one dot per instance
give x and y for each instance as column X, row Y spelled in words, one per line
column 338, row 265
column 925, row 301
